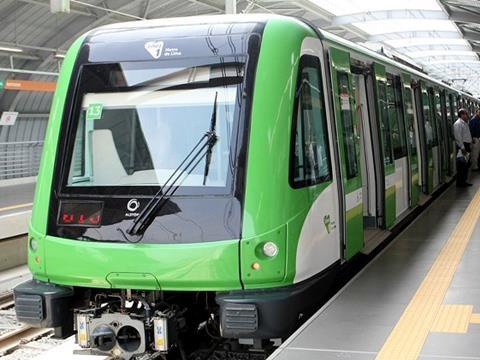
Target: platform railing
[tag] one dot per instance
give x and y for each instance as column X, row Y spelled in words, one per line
column 19, row 159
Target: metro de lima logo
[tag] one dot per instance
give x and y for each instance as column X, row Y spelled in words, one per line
column 154, row 48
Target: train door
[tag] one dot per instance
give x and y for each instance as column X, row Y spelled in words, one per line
column 449, row 133
column 399, row 144
column 312, row 177
column 367, row 161
column 444, row 137
column 348, row 148
column 410, row 127
column 436, row 149
column 454, row 107
column 427, row 135
column 387, row 201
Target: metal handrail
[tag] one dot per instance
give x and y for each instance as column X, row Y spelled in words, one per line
column 20, row 158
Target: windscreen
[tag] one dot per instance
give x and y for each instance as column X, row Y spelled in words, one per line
column 136, row 122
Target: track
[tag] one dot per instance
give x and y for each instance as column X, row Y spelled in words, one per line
column 6, row 300
column 13, row 339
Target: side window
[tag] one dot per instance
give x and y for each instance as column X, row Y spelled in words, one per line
column 384, row 124
column 349, row 133
column 310, row 155
column 395, row 112
column 78, row 163
column 427, row 118
column 409, row 117
column 448, row 114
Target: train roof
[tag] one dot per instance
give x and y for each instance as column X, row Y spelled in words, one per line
column 264, row 18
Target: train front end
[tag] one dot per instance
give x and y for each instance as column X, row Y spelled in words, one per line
column 140, row 237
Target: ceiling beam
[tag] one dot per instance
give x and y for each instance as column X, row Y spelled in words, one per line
column 47, row 5
column 415, row 34
column 388, row 15
column 471, row 35
column 465, row 17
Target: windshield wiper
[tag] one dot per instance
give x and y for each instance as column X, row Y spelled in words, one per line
column 188, row 164
column 213, row 122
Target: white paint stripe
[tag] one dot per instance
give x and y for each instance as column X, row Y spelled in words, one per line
column 16, row 214
column 353, row 199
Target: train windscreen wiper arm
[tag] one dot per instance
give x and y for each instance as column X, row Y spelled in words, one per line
column 213, row 122
column 188, row 164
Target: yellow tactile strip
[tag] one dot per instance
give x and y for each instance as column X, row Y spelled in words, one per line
column 409, row 334
column 453, row 319
column 475, row 319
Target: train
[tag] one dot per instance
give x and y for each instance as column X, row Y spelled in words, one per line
column 208, row 177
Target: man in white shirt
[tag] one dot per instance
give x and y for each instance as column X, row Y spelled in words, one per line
column 463, row 139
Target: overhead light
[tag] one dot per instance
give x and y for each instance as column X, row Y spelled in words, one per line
column 10, row 49
column 59, row 56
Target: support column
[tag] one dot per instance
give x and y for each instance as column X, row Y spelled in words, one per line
column 230, row 6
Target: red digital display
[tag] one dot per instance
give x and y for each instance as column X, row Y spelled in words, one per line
column 87, row 214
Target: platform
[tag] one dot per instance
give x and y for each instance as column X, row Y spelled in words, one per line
column 418, row 299
column 16, row 199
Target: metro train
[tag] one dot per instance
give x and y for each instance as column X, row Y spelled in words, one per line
column 207, row 177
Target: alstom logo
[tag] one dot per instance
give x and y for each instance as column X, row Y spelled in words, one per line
column 133, row 205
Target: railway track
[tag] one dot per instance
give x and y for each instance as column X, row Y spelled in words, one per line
column 6, row 300
column 22, row 335
column 13, row 339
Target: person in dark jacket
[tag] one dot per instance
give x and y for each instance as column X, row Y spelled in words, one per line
column 474, row 125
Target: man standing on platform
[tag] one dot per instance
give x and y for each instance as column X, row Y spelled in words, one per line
column 474, row 125
column 463, row 139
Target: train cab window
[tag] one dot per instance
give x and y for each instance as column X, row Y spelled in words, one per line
column 395, row 112
column 310, row 158
column 349, row 131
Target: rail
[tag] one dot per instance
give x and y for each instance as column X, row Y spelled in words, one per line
column 19, row 159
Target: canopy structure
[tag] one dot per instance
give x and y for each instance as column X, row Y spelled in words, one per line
column 442, row 37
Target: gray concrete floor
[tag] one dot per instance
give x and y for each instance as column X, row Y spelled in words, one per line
column 15, row 195
column 356, row 324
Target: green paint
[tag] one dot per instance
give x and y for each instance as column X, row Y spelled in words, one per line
column 390, row 206
column 273, row 210
column 347, row 133
column 354, row 220
column 43, row 189
column 94, row 111
column 199, row 266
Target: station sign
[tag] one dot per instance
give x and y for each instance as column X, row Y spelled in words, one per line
column 8, row 118
column 28, row 85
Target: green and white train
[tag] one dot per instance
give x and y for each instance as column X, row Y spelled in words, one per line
column 211, row 175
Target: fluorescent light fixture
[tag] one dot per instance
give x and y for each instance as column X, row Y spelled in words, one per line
column 10, row 49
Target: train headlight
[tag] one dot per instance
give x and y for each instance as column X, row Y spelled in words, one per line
column 33, row 244
column 270, row 249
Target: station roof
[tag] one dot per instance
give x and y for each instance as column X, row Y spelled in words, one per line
column 442, row 37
